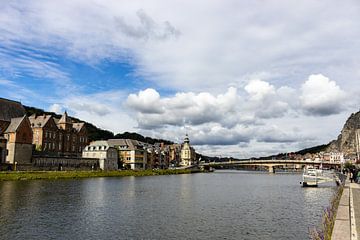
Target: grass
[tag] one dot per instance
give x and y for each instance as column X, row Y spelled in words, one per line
column 34, row 175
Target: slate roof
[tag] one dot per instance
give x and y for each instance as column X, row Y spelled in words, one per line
column 14, row 124
column 10, row 109
column 65, row 119
column 39, row 121
column 99, row 145
column 129, row 143
column 78, row 126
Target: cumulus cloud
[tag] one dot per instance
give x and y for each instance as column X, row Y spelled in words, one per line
column 320, row 96
column 56, row 108
column 199, row 55
column 147, row 101
column 265, row 101
column 184, row 108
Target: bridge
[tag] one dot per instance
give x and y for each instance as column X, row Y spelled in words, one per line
column 271, row 163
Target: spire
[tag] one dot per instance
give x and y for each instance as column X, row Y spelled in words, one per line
column 64, row 118
column 186, row 139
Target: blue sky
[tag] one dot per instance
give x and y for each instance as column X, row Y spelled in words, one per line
column 242, row 78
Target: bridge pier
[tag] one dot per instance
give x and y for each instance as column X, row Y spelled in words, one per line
column 271, row 169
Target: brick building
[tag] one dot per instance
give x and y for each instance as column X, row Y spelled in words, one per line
column 19, row 141
column 58, row 137
column 8, row 109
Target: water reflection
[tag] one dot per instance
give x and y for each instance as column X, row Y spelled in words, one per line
column 199, row 206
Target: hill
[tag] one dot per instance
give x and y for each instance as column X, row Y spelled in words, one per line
column 347, row 141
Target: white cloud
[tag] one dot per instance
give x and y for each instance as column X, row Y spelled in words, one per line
column 184, row 108
column 56, row 108
column 321, row 96
column 197, row 51
column 200, row 55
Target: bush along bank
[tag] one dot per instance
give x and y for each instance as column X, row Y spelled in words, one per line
column 9, row 176
column 324, row 231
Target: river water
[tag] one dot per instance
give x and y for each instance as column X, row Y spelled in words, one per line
column 219, row 205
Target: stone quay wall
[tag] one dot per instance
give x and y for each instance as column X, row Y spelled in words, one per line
column 63, row 163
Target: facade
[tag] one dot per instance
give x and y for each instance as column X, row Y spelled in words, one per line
column 174, row 155
column 19, row 141
column 132, row 153
column 333, row 157
column 188, row 156
column 8, row 109
column 108, row 156
column 58, row 137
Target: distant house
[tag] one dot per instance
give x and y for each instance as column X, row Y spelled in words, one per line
column 58, row 136
column 175, row 154
column 108, row 156
column 132, row 153
column 8, row 109
column 19, row 141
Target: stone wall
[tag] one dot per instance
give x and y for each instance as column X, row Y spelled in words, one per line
column 18, row 152
column 64, row 163
column 2, row 152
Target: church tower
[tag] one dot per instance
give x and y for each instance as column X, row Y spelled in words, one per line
column 187, row 153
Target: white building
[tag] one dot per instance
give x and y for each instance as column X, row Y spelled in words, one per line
column 188, row 156
column 108, row 156
column 334, row 157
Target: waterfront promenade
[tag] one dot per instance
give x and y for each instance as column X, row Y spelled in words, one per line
column 347, row 223
column 355, row 189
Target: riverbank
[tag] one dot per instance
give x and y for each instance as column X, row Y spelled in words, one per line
column 347, row 222
column 35, row 175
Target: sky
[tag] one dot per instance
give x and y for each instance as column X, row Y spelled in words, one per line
column 241, row 78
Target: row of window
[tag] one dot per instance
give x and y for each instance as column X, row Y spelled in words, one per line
column 52, row 135
column 52, row 146
column 94, row 148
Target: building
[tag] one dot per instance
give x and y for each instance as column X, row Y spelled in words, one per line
column 132, row 153
column 174, row 155
column 58, row 137
column 19, row 141
column 8, row 109
column 108, row 156
column 188, row 155
column 333, row 157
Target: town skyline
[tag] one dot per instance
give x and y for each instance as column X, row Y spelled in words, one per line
column 268, row 78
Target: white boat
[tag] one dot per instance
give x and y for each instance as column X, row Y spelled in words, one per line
column 312, row 177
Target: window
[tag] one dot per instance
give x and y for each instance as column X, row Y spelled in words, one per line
column 53, row 146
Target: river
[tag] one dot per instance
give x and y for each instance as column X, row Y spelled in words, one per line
column 219, row 205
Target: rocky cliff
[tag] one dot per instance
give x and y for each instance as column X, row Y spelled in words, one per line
column 346, row 141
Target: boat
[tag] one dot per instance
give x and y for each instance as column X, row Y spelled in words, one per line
column 312, row 177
